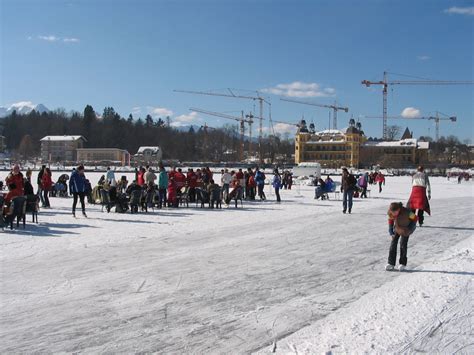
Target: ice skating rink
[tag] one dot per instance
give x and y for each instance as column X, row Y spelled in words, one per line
column 292, row 277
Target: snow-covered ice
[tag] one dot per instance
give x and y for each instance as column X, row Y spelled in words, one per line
column 298, row 276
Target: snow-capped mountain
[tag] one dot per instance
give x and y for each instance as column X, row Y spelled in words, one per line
column 23, row 108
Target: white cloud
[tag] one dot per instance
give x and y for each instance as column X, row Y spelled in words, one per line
column 300, row 89
column 460, row 10
column 411, row 112
column 284, row 128
column 71, row 40
column 423, row 57
column 53, row 38
column 49, row 38
column 185, row 120
column 159, row 111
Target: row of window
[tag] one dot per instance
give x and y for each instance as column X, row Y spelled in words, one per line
column 328, row 148
column 327, row 156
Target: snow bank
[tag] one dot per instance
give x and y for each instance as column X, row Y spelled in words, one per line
column 429, row 308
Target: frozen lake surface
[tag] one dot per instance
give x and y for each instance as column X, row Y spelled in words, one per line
column 193, row 280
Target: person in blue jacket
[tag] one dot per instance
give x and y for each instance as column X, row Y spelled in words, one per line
column 260, row 181
column 78, row 187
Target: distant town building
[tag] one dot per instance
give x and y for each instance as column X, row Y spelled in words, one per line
column 331, row 148
column 105, row 155
column 395, row 154
column 350, row 147
column 61, row 148
column 2, row 144
column 148, row 155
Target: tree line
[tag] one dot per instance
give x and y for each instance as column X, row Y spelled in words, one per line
column 110, row 130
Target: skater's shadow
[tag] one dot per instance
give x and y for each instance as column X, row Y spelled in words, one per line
column 453, row 228
column 49, row 230
column 467, row 273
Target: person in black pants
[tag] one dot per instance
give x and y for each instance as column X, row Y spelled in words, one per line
column 401, row 224
column 77, row 186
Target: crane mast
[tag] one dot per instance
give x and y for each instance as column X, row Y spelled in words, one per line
column 334, row 107
column 436, row 118
column 258, row 98
column 242, row 120
column 385, row 83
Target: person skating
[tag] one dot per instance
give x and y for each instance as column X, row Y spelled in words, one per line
column 420, row 194
column 77, row 186
column 401, row 224
column 162, row 186
column 363, row 182
column 348, row 185
column 38, row 182
column 260, row 181
column 46, row 186
column 276, row 183
column 380, row 179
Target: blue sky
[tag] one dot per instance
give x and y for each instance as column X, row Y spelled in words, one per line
column 132, row 54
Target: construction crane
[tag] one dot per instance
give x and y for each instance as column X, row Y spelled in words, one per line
column 334, row 107
column 436, row 118
column 385, row 83
column 242, row 120
column 258, row 98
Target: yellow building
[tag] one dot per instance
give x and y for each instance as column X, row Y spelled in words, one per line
column 350, row 147
column 331, row 148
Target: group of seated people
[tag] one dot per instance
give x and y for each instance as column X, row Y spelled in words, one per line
column 18, row 188
column 165, row 189
column 323, row 187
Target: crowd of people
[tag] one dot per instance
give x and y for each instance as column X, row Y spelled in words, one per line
column 167, row 188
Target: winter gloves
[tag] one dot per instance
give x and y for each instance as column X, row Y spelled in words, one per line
column 390, row 230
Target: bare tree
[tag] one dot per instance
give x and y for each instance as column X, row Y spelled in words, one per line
column 26, row 148
column 393, row 132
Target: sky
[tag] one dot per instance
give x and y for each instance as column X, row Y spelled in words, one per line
column 131, row 55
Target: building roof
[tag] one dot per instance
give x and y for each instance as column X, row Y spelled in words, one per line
column 407, row 134
column 411, row 142
column 141, row 150
column 352, row 130
column 62, row 138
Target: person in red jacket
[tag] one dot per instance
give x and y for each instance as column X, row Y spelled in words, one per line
column 180, row 180
column 141, row 176
column 171, row 193
column 12, row 193
column 381, row 180
column 47, row 184
column 16, row 177
column 191, row 180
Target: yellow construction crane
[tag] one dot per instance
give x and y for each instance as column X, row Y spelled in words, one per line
column 436, row 118
column 242, row 120
column 385, row 83
column 334, row 107
column 231, row 94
